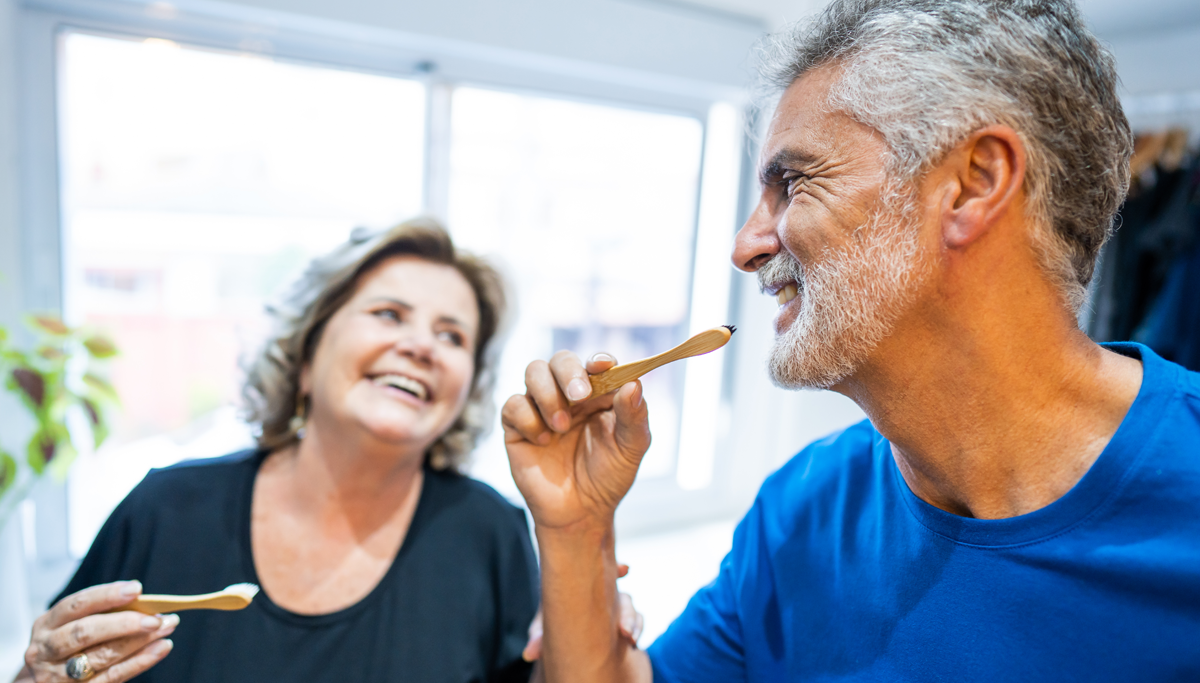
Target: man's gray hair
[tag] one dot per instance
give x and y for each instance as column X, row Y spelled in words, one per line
column 927, row 73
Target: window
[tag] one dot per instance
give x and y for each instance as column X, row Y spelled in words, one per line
column 591, row 210
column 195, row 184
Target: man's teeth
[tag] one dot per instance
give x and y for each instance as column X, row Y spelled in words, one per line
column 402, row 383
column 786, row 294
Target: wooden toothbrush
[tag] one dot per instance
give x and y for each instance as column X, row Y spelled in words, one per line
column 235, row 597
column 618, row 376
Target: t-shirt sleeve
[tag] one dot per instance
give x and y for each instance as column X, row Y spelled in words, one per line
column 518, row 597
column 107, row 559
column 705, row 643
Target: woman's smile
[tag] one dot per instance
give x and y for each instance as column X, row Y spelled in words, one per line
column 394, row 363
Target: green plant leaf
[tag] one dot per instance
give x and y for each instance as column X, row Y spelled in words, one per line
column 3, row 335
column 101, row 386
column 51, row 352
column 8, row 471
column 100, row 346
column 32, row 383
column 41, row 450
column 49, row 324
column 91, row 410
column 63, row 459
column 96, row 417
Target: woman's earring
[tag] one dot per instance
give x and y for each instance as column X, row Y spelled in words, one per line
column 298, row 421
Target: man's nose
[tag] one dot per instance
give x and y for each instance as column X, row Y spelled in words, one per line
column 757, row 241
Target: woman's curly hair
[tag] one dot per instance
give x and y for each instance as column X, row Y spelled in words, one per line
column 272, row 386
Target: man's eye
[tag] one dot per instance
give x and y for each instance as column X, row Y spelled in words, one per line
column 793, row 183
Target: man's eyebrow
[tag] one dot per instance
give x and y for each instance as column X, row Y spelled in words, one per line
column 774, row 167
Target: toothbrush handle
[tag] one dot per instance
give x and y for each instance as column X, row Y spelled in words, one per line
column 616, row 377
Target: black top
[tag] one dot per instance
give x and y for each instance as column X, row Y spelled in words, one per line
column 455, row 605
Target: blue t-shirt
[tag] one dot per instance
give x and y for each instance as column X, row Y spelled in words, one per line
column 839, row 572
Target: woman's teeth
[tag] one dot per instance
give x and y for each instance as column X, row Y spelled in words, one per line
column 402, row 383
column 786, row 294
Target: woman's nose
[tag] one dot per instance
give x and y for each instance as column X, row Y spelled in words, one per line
column 416, row 344
column 757, row 241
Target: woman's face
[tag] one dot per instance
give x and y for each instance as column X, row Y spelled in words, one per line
column 395, row 361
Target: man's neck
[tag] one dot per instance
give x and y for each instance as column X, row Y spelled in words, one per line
column 995, row 423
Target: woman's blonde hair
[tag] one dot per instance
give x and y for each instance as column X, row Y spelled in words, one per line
column 273, row 377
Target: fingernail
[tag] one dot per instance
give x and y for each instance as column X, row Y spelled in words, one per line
column 637, row 396
column 170, row 621
column 131, row 588
column 151, row 623
column 167, row 644
column 578, row 390
column 601, row 358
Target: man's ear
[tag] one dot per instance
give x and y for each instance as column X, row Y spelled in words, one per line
column 987, row 172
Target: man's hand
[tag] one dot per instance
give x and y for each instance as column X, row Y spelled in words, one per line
column 574, row 457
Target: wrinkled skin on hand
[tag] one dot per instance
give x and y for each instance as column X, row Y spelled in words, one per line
column 574, row 460
column 119, row 645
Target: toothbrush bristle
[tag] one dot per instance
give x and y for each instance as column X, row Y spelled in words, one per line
column 248, row 590
column 731, row 328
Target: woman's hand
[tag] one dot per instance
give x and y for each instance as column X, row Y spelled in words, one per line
column 118, row 646
column 574, row 457
column 630, row 624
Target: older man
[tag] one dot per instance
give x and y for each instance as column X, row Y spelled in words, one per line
column 1022, row 504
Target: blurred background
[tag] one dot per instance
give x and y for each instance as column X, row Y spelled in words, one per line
column 166, row 167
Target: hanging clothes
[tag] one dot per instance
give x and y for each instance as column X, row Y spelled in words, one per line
column 1144, row 291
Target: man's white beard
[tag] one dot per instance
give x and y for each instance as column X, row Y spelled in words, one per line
column 851, row 298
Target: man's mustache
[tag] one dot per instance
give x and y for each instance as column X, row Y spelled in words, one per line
column 782, row 269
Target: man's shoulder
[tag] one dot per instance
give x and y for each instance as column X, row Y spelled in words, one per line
column 824, row 469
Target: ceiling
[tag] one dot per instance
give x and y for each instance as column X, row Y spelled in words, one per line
column 1107, row 17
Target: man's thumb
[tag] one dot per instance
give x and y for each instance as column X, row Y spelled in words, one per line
column 632, row 431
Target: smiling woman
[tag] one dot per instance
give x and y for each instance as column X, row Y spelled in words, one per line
column 373, row 553
column 274, row 386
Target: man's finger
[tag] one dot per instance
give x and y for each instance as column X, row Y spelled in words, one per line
column 632, row 432
column 600, row 362
column 91, row 601
column 522, row 421
column 571, row 376
column 542, row 388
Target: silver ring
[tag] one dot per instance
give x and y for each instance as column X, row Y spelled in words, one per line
column 79, row 669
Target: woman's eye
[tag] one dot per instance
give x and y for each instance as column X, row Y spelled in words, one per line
column 388, row 314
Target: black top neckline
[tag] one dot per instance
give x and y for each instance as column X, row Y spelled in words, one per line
column 246, row 550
